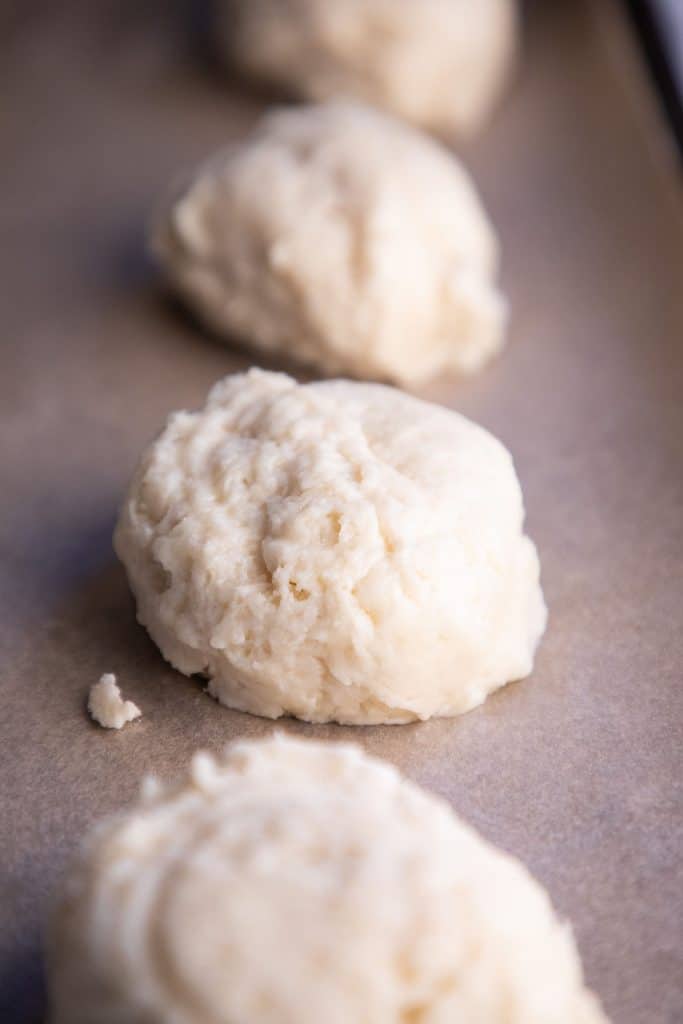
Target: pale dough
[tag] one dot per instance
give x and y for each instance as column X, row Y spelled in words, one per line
column 291, row 882
column 335, row 551
column 338, row 237
column 439, row 63
column 107, row 706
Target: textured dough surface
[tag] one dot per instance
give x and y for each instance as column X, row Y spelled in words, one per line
column 107, row 706
column 291, row 882
column 335, row 551
column 439, row 63
column 342, row 239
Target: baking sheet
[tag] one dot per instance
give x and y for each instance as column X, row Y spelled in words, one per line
column 577, row 769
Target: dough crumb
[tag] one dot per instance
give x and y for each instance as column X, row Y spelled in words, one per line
column 106, row 705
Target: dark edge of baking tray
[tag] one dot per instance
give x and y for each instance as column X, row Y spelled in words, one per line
column 661, row 53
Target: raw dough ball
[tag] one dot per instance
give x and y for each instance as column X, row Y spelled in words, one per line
column 335, row 551
column 439, row 63
column 292, row 882
column 343, row 239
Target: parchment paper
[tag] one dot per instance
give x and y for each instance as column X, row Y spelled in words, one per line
column 575, row 770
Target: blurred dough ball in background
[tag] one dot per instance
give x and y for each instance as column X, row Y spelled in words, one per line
column 337, row 551
column 439, row 63
column 292, row 881
column 342, row 238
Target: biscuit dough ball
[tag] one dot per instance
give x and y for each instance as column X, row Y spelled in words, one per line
column 335, row 551
column 291, row 882
column 439, row 63
column 341, row 238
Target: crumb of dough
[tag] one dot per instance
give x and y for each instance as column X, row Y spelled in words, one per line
column 106, row 705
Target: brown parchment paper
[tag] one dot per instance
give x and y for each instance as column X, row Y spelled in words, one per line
column 576, row 770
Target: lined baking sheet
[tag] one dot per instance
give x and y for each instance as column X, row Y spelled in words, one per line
column 575, row 770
